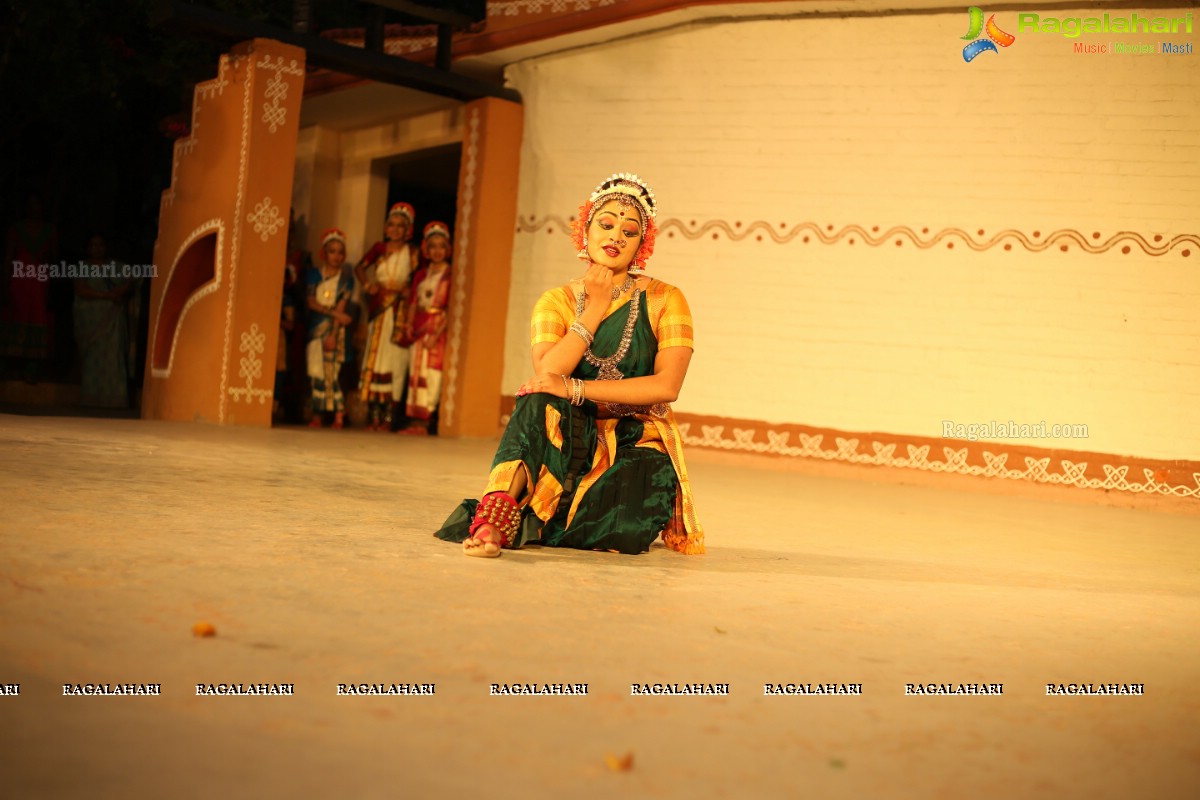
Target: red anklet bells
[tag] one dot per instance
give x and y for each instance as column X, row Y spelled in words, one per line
column 501, row 511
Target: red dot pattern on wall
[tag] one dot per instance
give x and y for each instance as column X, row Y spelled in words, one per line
column 876, row 235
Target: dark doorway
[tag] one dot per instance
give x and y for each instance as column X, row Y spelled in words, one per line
column 428, row 179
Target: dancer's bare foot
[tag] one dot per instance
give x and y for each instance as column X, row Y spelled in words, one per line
column 339, row 421
column 485, row 543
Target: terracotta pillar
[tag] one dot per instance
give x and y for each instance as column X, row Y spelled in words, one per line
column 483, row 246
column 222, row 237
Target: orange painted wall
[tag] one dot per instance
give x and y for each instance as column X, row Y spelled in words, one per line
column 221, row 243
column 487, row 215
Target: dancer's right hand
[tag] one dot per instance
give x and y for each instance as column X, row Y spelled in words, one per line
column 597, row 284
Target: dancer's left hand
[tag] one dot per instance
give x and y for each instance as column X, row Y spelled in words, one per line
column 548, row 382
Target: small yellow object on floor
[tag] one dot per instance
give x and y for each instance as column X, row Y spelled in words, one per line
column 619, row 764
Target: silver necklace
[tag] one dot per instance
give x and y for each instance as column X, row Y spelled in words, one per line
column 624, row 287
column 608, row 365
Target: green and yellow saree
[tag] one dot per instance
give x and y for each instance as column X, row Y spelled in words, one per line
column 601, row 477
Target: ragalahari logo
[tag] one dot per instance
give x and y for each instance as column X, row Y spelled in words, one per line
column 988, row 43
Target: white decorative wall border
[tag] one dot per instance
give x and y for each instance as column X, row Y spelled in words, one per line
column 409, row 45
column 513, row 8
column 204, row 90
column 408, row 40
column 238, row 206
column 880, row 454
column 1063, row 239
column 216, row 86
column 458, row 300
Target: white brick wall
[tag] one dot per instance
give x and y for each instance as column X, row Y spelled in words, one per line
column 877, row 121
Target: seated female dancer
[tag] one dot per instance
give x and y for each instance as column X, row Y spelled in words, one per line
column 592, row 457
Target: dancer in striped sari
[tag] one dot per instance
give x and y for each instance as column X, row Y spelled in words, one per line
column 592, row 457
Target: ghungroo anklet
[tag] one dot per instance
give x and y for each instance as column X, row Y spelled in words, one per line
column 500, row 511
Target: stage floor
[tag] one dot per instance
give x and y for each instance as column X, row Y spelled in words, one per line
column 311, row 554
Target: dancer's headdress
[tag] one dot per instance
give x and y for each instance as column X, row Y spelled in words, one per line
column 435, row 228
column 404, row 210
column 332, row 235
column 629, row 185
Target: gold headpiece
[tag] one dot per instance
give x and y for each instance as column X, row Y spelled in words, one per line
column 436, row 228
column 628, row 185
column 332, row 235
column 403, row 209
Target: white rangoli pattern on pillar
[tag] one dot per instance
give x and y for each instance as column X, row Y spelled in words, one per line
column 276, row 92
column 253, row 345
column 266, row 218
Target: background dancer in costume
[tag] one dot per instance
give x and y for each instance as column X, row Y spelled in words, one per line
column 427, row 315
column 329, row 290
column 386, row 275
column 591, row 457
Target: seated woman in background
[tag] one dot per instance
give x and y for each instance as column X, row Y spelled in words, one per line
column 329, row 290
column 101, row 316
column 427, row 315
column 591, row 457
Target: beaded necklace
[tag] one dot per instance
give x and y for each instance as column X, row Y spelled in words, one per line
column 608, row 365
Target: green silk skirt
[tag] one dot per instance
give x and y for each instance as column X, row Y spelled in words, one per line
column 628, row 505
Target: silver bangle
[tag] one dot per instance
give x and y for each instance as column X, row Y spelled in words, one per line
column 579, row 329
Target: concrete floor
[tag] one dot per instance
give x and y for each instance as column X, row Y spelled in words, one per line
column 310, row 551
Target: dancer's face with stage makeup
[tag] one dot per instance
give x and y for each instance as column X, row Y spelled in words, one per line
column 335, row 254
column 397, row 228
column 614, row 235
column 437, row 249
